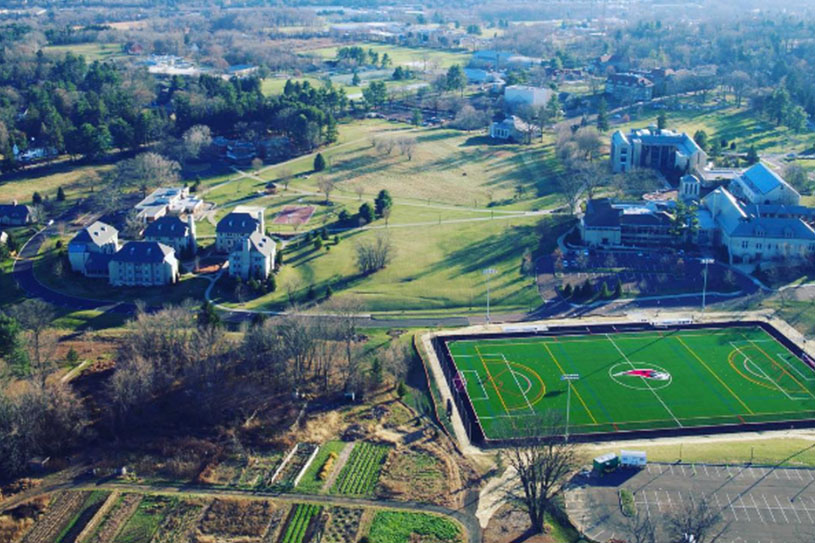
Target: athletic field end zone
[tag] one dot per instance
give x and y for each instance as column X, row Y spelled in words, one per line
column 634, row 379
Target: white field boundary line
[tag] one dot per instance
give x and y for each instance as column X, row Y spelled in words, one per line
column 479, row 381
column 644, row 380
column 764, row 373
column 517, row 384
column 791, row 366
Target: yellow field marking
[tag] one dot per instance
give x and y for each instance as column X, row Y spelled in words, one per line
column 770, row 358
column 696, row 356
column 730, row 358
column 492, row 380
column 539, row 396
column 579, row 397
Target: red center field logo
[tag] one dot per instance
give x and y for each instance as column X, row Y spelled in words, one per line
column 645, row 373
column 640, row 375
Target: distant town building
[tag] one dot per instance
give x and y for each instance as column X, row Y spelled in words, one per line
column 253, row 258
column 143, row 264
column 238, row 225
column 241, row 70
column 173, row 232
column 90, row 250
column 663, row 150
column 15, row 214
column 628, row 87
column 517, row 95
column 513, row 128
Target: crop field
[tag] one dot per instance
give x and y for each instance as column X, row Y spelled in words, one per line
column 628, row 381
column 179, row 522
column 361, row 473
column 144, row 522
column 64, row 506
column 90, row 506
column 399, row 527
column 91, row 51
column 236, row 518
column 260, row 468
column 343, row 525
column 294, row 465
column 115, row 519
column 300, row 523
column 321, row 467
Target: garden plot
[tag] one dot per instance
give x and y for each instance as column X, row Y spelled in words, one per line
column 343, row 525
column 93, row 502
column 302, row 524
column 233, row 518
column 115, row 519
column 144, row 523
column 179, row 523
column 318, row 471
column 63, row 507
column 360, row 474
column 400, row 527
column 416, row 474
column 260, row 469
column 294, row 462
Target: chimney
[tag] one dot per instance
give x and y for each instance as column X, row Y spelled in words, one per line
column 14, row 202
column 261, row 221
column 191, row 224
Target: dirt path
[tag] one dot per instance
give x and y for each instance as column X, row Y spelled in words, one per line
column 338, row 465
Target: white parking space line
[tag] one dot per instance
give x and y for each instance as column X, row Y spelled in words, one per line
column 782, row 510
column 744, row 508
column 705, row 468
column 732, row 509
column 772, row 516
column 806, row 510
column 758, row 512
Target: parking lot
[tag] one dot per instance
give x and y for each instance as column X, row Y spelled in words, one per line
column 762, row 505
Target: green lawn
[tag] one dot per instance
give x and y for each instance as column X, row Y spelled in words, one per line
column 414, row 57
column 401, row 527
column 740, row 125
column 636, row 380
column 91, row 51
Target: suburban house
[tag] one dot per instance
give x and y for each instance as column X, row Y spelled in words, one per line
column 253, row 258
column 760, row 185
column 524, row 95
column 173, row 232
column 664, row 150
column 168, row 201
column 513, row 128
column 611, row 224
column 238, row 225
column 90, row 250
column 628, row 87
column 143, row 264
column 15, row 214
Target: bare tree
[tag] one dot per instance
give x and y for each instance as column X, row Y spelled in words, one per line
column 147, row 170
column 639, row 529
column 195, row 139
column 284, row 177
column 326, row 185
column 588, row 142
column 134, row 225
column 35, row 318
column 407, row 146
column 543, row 460
column 346, row 312
column 571, row 186
column 360, row 190
column 698, row 518
column 375, row 254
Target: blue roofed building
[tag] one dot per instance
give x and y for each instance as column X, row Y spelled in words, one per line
column 760, row 185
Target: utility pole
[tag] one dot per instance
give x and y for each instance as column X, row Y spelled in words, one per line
column 568, row 378
column 706, row 262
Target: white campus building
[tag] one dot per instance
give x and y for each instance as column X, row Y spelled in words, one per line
column 517, row 95
column 253, row 258
column 238, row 225
column 168, row 201
column 90, row 250
column 662, row 150
column 143, row 264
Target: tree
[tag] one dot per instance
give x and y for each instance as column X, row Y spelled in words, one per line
column 207, row 316
column 326, row 185
column 698, row 518
column 407, row 146
column 416, row 117
column 752, row 155
column 147, row 170
column 374, row 255
column 662, row 121
column 34, row 317
column 797, row 176
column 366, row 213
column 553, row 109
column 355, row 81
column 382, row 202
column 319, row 163
column 739, row 83
column 602, row 115
column 700, row 137
column 543, row 460
column 375, row 94
column 36, row 198
column 571, row 186
column 639, row 528
column 60, row 194
column 588, row 142
column 9, row 336
column 456, row 80
column 195, row 140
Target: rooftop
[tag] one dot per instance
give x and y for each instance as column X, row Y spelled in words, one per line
column 762, row 179
column 167, row 227
column 143, row 252
column 97, row 233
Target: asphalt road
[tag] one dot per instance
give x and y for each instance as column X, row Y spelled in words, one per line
column 761, row 504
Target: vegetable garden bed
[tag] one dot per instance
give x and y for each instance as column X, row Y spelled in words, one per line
column 361, row 473
column 300, row 526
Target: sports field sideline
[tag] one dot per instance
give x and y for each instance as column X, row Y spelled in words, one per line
column 645, row 380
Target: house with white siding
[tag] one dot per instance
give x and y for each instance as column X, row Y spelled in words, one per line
column 253, row 258
column 90, row 250
column 238, row 225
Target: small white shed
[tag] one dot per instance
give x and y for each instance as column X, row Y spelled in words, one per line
column 633, row 459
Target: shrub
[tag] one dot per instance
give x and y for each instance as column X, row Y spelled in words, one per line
column 627, row 504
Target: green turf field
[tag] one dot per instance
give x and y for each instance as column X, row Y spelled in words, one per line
column 652, row 380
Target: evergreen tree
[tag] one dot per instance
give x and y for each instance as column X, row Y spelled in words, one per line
column 36, row 199
column 366, row 213
column 602, row 115
column 662, row 121
column 355, row 81
column 319, row 163
column 382, row 202
column 567, row 290
column 618, row 288
column 401, row 390
column 416, row 118
column 329, row 292
column 752, row 155
column 605, row 292
column 376, row 373
column 60, row 195
column 318, row 244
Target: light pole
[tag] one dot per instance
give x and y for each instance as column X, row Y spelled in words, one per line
column 487, row 273
column 706, row 262
column 569, row 377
